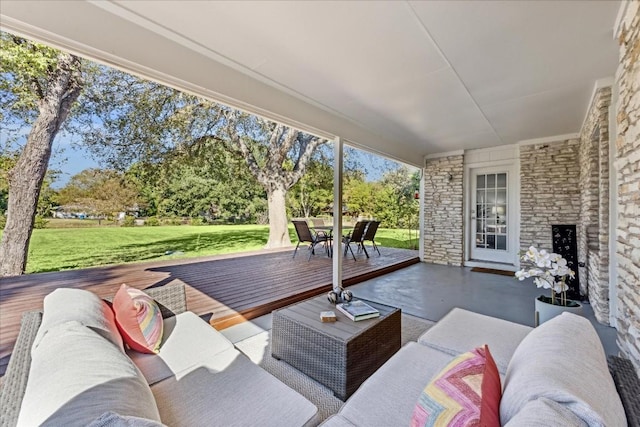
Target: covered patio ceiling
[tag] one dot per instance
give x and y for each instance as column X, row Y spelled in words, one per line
column 400, row 78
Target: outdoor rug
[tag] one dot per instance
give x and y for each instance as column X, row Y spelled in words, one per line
column 258, row 349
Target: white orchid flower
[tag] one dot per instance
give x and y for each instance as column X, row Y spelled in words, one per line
column 548, row 266
column 542, row 283
column 522, row 274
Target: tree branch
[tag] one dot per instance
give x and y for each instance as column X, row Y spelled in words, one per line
column 303, row 160
column 239, row 146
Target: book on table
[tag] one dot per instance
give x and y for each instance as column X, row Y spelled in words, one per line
column 358, row 310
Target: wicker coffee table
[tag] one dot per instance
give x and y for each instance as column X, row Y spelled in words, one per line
column 340, row 355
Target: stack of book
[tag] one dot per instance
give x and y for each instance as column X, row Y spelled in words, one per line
column 358, row 310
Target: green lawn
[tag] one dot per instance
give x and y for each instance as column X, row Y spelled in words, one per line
column 70, row 248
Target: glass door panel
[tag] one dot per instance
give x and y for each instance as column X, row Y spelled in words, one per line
column 491, row 211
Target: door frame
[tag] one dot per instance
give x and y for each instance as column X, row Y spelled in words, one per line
column 513, row 168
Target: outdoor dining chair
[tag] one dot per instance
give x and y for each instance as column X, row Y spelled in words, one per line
column 356, row 236
column 305, row 235
column 318, row 227
column 370, row 234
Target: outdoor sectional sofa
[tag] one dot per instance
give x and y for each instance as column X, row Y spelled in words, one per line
column 198, row 378
column 554, row 375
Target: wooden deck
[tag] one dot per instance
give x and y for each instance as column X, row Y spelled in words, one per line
column 223, row 289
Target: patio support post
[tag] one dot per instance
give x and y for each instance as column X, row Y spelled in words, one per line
column 421, row 214
column 338, row 161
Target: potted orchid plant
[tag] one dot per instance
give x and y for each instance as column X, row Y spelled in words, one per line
column 549, row 271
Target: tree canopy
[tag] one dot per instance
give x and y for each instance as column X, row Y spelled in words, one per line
column 139, row 121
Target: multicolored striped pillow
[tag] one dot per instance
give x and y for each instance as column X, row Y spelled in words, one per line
column 139, row 319
column 466, row 392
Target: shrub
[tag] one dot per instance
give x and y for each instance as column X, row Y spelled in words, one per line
column 3, row 222
column 128, row 221
column 152, row 221
column 171, row 221
column 198, row 221
column 40, row 222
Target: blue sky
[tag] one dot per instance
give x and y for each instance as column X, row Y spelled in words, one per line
column 71, row 161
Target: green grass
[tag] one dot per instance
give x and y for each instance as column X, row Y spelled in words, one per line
column 72, row 248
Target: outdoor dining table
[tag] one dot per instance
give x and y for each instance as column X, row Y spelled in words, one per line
column 328, row 230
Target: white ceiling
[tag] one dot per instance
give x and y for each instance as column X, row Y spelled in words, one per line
column 404, row 79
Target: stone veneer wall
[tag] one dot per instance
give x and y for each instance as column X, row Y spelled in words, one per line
column 443, row 214
column 549, row 192
column 628, row 175
column 593, row 229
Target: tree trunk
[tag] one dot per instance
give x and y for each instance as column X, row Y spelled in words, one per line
column 25, row 179
column 278, row 230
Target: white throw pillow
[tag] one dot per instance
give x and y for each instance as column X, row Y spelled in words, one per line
column 563, row 360
column 67, row 304
column 76, row 376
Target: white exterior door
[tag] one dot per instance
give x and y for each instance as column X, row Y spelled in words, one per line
column 491, row 215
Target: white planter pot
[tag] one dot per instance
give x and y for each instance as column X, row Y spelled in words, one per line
column 546, row 311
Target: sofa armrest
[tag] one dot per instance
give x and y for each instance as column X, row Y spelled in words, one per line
column 14, row 382
column 171, row 298
column 628, row 387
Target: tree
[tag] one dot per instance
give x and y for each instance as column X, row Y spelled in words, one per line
column 141, row 121
column 38, row 88
column 314, row 191
column 212, row 183
column 102, row 193
column 7, row 162
column 267, row 148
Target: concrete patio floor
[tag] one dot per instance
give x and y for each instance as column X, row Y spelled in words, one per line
column 430, row 291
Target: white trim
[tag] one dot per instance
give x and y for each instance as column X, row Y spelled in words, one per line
column 466, row 213
column 467, row 200
column 516, row 210
column 613, row 212
column 494, row 265
column 490, row 149
column 506, row 162
column 549, row 139
column 617, row 26
column 513, row 168
column 599, row 84
column 445, row 154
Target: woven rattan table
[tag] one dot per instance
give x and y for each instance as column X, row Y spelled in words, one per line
column 340, row 355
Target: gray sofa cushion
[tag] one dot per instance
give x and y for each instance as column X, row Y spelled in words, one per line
column 76, row 375
column 230, row 390
column 461, row 331
column 389, row 396
column 111, row 419
column 563, row 360
column 337, row 421
column 547, row 413
column 187, row 341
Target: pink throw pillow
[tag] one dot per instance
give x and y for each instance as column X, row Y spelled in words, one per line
column 466, row 392
column 139, row 319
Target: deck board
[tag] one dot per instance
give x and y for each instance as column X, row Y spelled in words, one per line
column 225, row 289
